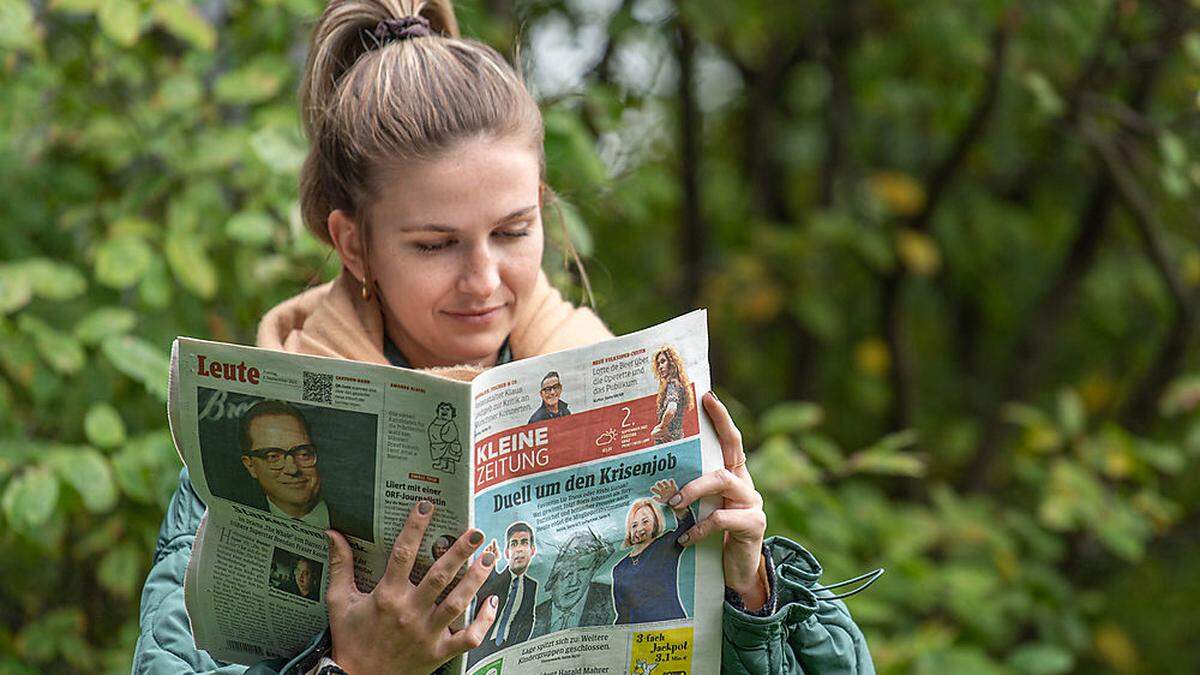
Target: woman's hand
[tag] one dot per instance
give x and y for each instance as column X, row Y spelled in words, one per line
column 740, row 518
column 663, row 490
column 399, row 627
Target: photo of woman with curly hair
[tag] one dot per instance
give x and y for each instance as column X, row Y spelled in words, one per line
column 675, row 395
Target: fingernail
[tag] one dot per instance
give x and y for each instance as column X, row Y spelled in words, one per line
column 683, row 539
column 476, row 538
column 674, row 501
column 713, row 393
column 424, row 507
column 492, row 601
column 487, row 559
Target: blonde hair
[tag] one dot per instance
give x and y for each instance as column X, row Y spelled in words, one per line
column 633, row 509
column 676, row 362
column 367, row 105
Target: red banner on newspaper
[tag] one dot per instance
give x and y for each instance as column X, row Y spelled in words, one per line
column 564, row 441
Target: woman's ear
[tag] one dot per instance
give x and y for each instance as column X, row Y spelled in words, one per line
column 347, row 239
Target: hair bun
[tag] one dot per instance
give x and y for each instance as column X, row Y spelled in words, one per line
column 391, row 30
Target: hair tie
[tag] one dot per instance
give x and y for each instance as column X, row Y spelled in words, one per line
column 390, row 30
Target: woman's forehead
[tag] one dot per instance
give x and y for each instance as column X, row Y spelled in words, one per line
column 476, row 183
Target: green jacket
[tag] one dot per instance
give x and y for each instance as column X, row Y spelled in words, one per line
column 806, row 633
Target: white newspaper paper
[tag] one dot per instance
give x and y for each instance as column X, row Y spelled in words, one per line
column 559, row 459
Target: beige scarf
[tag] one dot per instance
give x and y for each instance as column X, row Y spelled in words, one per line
column 333, row 320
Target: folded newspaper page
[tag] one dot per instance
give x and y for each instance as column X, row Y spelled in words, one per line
column 564, row 461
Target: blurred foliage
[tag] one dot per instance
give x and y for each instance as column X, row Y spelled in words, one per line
column 950, row 252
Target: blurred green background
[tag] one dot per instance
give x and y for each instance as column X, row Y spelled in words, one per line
column 950, row 251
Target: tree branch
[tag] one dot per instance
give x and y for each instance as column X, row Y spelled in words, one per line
column 937, row 183
column 1038, row 330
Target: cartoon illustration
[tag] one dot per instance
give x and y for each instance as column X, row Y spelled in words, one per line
column 444, row 446
column 575, row 599
column 643, row 668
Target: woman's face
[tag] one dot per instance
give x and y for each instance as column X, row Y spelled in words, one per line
column 641, row 526
column 455, row 248
column 663, row 366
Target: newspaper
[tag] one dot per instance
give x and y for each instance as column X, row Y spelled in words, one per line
column 556, row 458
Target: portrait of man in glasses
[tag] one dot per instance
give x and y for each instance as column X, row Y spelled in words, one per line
column 278, row 452
column 552, row 403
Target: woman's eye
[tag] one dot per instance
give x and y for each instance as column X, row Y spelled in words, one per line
column 516, row 232
column 432, row 246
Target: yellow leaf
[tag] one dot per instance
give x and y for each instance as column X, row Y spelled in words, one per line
column 1115, row 647
column 919, row 252
column 873, row 357
column 1097, row 392
column 1191, row 268
column 899, row 192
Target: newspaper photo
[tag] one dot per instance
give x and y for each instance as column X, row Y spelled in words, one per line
column 564, row 461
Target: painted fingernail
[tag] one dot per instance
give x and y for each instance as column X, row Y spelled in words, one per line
column 476, row 538
column 487, row 559
column 424, row 507
column 493, row 601
column 674, row 501
column 683, row 539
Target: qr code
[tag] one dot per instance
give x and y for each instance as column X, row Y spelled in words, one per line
column 318, row 387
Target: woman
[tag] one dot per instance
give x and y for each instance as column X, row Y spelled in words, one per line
column 425, row 175
column 675, row 395
column 646, row 580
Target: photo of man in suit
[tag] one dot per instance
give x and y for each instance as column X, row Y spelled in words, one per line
column 278, row 452
column 576, row 600
column 515, row 591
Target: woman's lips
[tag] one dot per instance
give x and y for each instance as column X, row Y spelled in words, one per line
column 476, row 316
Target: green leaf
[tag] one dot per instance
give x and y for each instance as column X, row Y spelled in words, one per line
column 122, row 260
column 60, row 350
column 255, row 82
column 156, row 289
column 139, row 360
column 250, row 227
column 781, row 467
column 147, row 467
column 120, row 20
column 1071, row 415
column 279, row 150
column 103, row 426
column 186, row 23
column 89, row 473
column 53, row 280
column 29, row 499
column 886, row 463
column 190, row 263
column 120, row 571
column 792, row 417
column 824, row 450
column 17, row 27
column 78, row 6
column 16, row 289
column 44, row 638
column 104, row 322
column 1041, row 658
column 1044, row 94
column 1173, row 150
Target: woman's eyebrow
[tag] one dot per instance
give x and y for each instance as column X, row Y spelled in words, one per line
column 446, row 229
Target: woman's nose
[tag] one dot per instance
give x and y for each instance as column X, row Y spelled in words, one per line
column 481, row 272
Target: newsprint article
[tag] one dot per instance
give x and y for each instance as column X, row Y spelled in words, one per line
column 564, row 461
